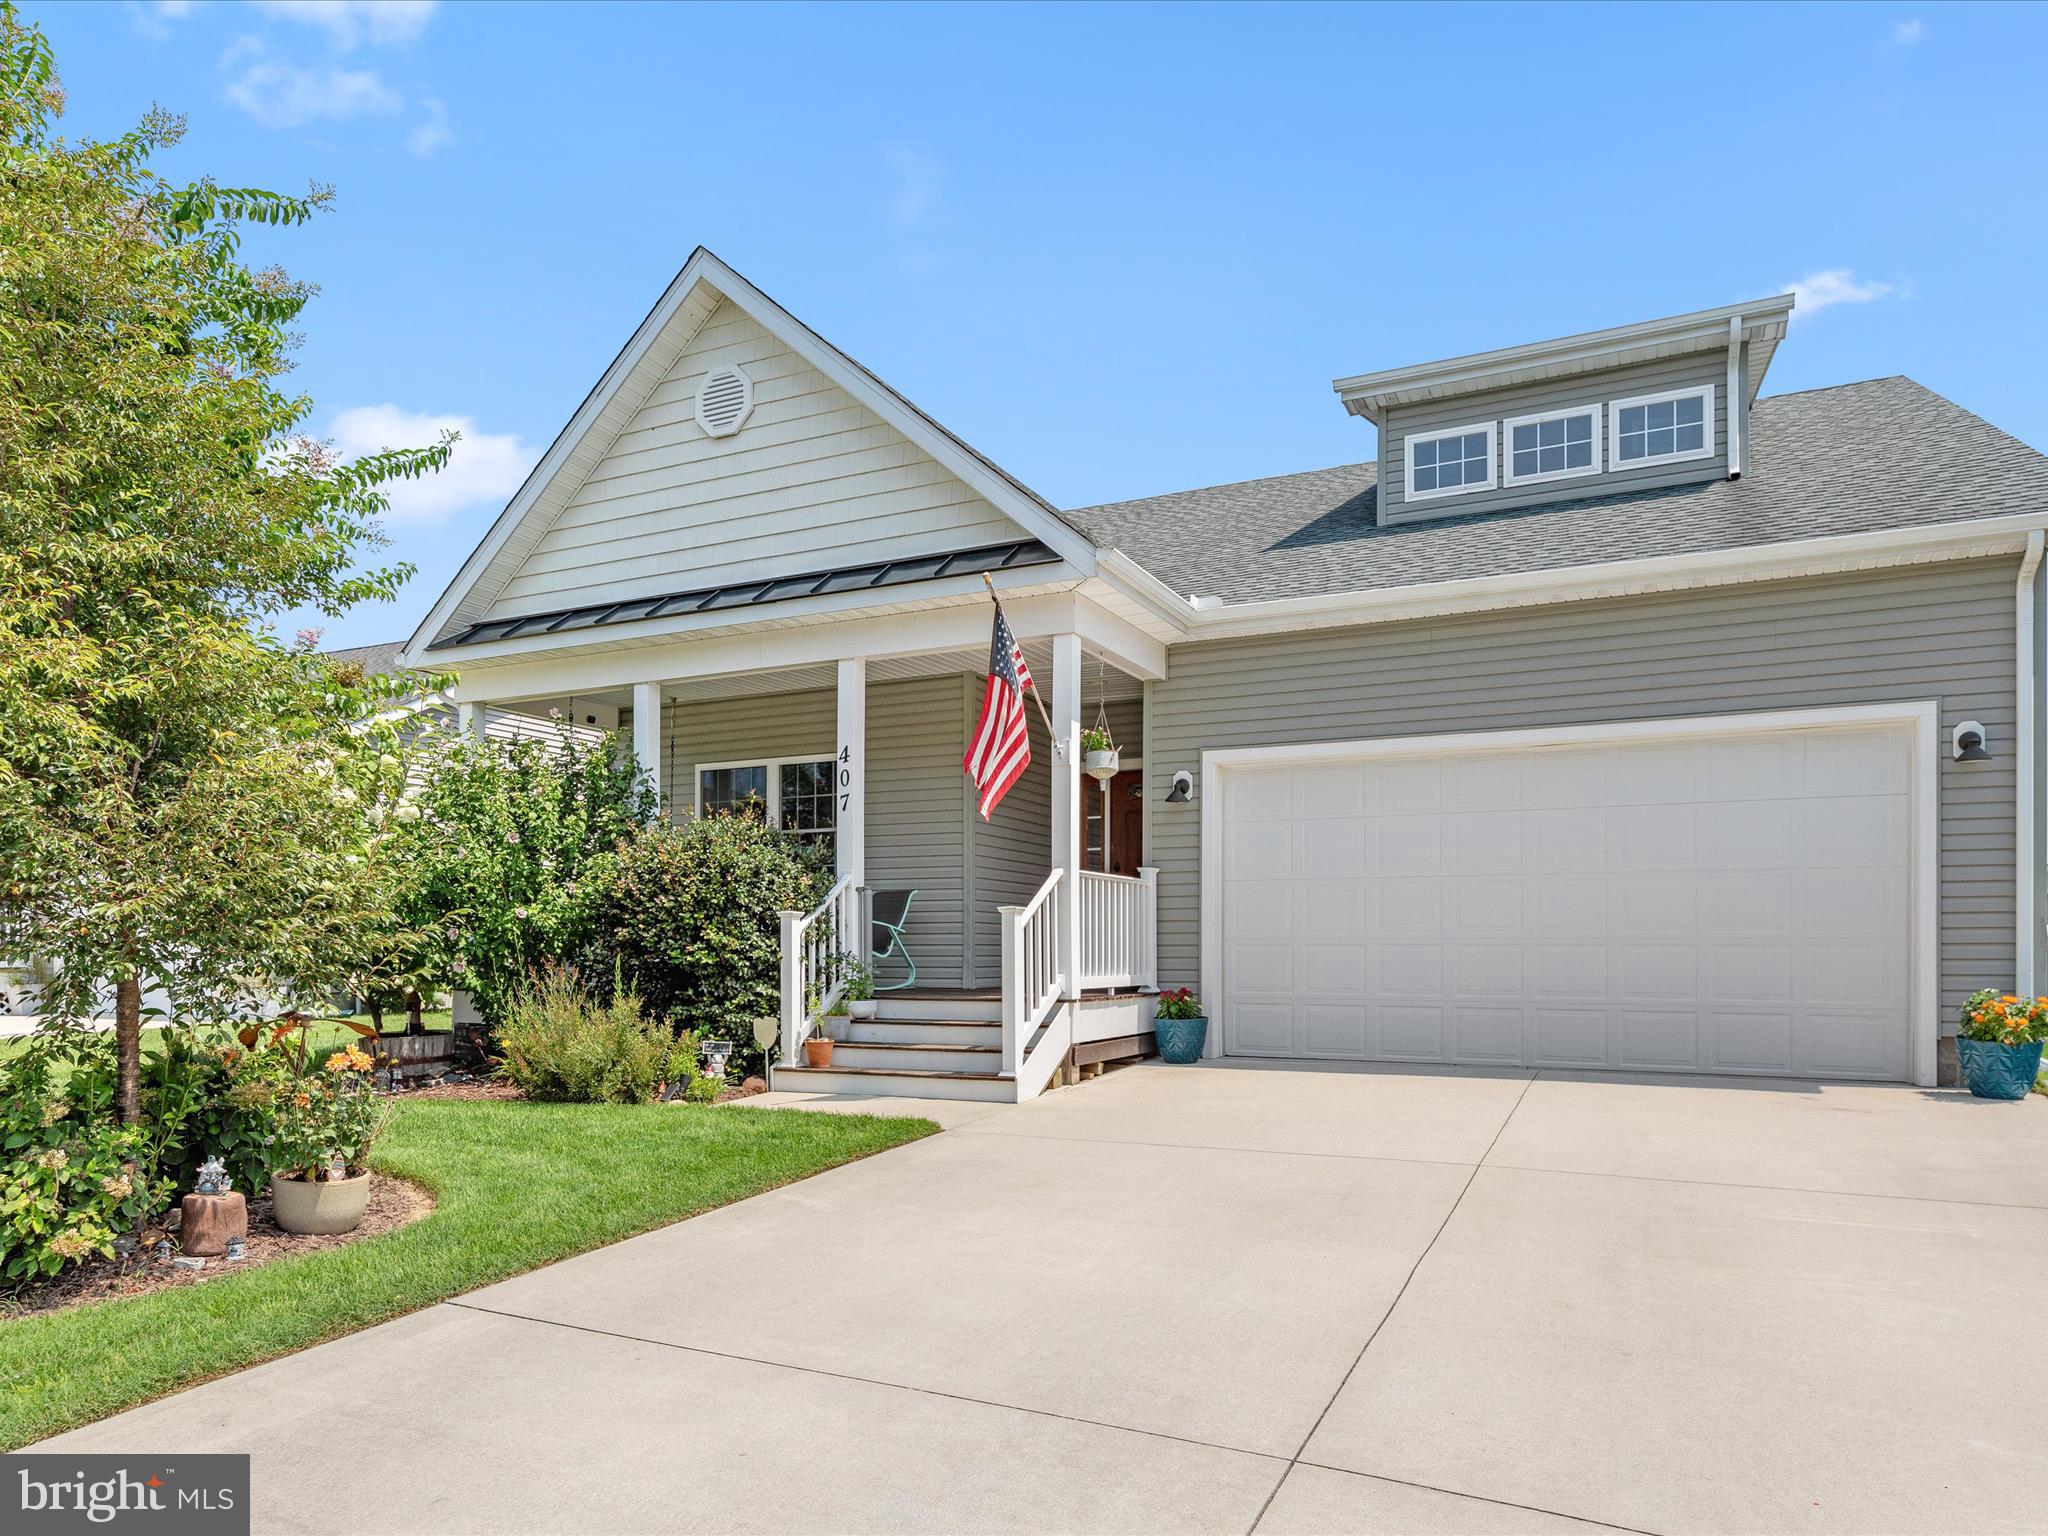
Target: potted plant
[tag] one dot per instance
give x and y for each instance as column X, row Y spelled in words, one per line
column 1100, row 756
column 1998, row 1044
column 1180, row 1026
column 323, row 1124
column 860, row 993
column 818, row 1043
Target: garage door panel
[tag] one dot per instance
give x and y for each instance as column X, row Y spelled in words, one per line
column 1734, row 904
column 1569, row 1037
column 1751, row 1042
column 1666, row 1042
column 1409, row 1032
column 1491, row 1035
column 1743, row 906
column 1653, row 837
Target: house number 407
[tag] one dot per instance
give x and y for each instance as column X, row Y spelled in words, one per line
column 845, row 778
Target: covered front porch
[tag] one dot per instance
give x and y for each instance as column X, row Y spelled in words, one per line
column 994, row 932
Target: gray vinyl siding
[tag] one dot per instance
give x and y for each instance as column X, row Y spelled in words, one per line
column 1941, row 632
column 913, row 758
column 1685, row 372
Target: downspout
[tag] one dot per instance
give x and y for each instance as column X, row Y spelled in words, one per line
column 2024, row 937
column 1735, row 397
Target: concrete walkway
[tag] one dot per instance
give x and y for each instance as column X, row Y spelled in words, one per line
column 1230, row 1298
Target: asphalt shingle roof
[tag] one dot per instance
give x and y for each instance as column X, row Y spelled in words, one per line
column 1886, row 453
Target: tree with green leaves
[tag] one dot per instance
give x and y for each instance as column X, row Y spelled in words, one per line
column 182, row 797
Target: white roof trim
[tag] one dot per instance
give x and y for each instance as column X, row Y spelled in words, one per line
column 705, row 269
column 1976, row 538
column 1706, row 330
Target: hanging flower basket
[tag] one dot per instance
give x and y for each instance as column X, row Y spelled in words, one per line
column 1100, row 757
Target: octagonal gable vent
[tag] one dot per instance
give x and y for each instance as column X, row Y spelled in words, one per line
column 724, row 401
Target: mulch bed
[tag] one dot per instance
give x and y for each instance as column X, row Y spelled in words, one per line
column 393, row 1203
column 470, row 1088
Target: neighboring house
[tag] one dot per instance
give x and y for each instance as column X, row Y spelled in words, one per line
column 1610, row 717
column 584, row 718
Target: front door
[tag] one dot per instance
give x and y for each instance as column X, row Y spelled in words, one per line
column 1123, row 800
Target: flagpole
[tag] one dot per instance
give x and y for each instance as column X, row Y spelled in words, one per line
column 1059, row 747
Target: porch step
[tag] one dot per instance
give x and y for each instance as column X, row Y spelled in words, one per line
column 955, row 1006
column 937, row 1056
column 925, row 1032
column 876, row 1082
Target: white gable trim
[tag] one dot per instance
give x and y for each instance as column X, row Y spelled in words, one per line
column 705, row 271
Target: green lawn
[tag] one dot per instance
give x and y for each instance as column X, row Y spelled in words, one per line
column 518, row 1185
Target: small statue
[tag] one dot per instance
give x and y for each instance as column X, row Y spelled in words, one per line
column 238, row 1250
column 337, row 1167
column 213, row 1178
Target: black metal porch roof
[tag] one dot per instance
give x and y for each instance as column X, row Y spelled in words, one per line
column 747, row 594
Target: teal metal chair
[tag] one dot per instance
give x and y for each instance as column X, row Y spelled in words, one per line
column 889, row 914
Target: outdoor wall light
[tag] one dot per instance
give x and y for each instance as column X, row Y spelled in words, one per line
column 1968, row 743
column 1183, row 788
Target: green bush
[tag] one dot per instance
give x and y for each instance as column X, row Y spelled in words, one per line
column 689, row 913
column 557, row 1042
column 69, row 1181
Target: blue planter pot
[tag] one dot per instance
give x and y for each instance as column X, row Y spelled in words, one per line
column 1994, row 1071
column 1180, row 1040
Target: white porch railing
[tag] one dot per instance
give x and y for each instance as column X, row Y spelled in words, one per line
column 1035, row 989
column 1119, row 929
column 819, row 949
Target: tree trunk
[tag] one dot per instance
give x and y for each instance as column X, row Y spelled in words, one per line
column 128, row 1048
column 377, row 1015
column 414, row 1024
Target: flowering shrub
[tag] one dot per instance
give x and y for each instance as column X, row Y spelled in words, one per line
column 1180, row 1003
column 68, row 1181
column 317, row 1116
column 558, row 1043
column 2004, row 1019
column 500, row 857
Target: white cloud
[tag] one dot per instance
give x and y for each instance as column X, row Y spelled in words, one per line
column 485, row 466
column 282, row 95
column 347, row 22
column 1907, row 33
column 916, row 186
column 432, row 132
column 153, row 18
column 1836, row 285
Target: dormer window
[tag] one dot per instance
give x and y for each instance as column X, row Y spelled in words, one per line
column 1555, row 445
column 1448, row 463
column 1661, row 429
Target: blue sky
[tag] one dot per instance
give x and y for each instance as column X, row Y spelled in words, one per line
column 1121, row 250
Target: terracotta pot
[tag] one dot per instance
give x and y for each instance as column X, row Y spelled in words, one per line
column 322, row 1207
column 818, row 1051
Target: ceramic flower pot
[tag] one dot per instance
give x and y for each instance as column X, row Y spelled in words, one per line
column 322, row 1207
column 1180, row 1040
column 1994, row 1071
column 818, row 1051
column 862, row 1009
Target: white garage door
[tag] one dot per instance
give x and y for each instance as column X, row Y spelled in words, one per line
column 1731, row 903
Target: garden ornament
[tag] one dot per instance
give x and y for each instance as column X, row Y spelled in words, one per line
column 213, row 1178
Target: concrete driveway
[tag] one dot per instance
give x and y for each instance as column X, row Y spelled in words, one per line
column 1229, row 1298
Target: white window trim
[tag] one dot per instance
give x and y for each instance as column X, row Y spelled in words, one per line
column 1408, row 460
column 774, row 767
column 1704, row 393
column 1507, row 445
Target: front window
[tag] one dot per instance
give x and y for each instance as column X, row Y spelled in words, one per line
column 1656, row 429
column 794, row 794
column 1553, row 446
column 1447, row 463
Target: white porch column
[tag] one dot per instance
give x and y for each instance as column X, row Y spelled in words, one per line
column 647, row 732
column 1066, row 802
column 469, row 720
column 850, row 823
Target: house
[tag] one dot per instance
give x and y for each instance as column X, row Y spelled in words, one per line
column 1611, row 716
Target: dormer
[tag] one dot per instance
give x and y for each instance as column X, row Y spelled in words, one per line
column 1639, row 407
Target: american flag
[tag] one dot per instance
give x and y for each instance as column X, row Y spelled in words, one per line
column 1001, row 749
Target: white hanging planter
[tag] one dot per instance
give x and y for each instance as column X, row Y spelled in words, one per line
column 1101, row 766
